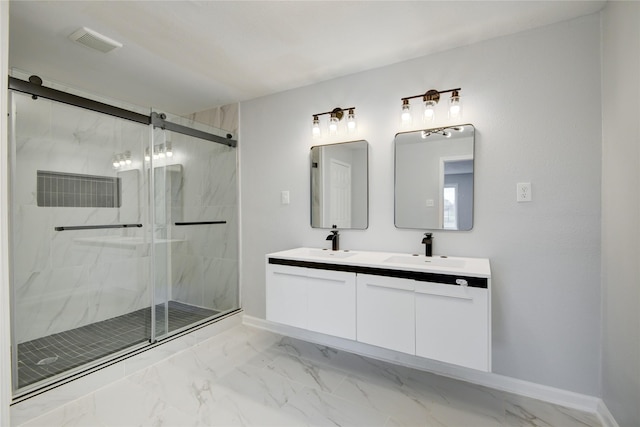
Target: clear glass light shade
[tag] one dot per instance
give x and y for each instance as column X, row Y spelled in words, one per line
column 455, row 106
column 116, row 162
column 429, row 111
column 315, row 127
column 405, row 115
column 147, row 157
column 127, row 157
column 333, row 124
column 168, row 150
column 352, row 125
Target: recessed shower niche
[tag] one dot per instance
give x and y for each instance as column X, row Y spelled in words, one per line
column 107, row 257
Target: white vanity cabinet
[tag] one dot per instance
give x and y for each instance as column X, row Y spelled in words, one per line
column 453, row 324
column 427, row 307
column 386, row 312
column 314, row 299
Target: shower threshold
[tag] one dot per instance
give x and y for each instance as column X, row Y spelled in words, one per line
column 49, row 356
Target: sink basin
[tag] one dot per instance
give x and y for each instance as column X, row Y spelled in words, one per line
column 424, row 261
column 329, row 254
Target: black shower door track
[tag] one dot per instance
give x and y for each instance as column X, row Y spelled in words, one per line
column 156, row 119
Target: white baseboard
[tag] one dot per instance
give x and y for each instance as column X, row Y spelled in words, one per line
column 545, row 393
column 606, row 418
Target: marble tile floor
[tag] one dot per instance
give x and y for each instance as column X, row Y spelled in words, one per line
column 249, row 377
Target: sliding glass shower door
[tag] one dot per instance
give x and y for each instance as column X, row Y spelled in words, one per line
column 80, row 280
column 195, row 225
column 122, row 234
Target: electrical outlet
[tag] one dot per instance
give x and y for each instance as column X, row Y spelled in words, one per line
column 523, row 192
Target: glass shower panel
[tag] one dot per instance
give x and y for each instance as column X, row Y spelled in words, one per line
column 80, row 246
column 196, row 227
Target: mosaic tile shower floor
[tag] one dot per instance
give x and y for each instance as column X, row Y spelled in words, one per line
column 48, row 356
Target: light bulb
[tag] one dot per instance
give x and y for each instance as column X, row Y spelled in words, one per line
column 429, row 110
column 405, row 116
column 315, row 128
column 333, row 124
column 115, row 162
column 121, row 160
column 455, row 106
column 351, row 121
column 127, row 157
column 147, row 157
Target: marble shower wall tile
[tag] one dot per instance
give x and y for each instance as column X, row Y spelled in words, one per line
column 56, row 273
column 224, row 117
column 49, row 266
column 221, row 286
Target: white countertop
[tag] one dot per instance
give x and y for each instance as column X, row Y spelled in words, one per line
column 474, row 267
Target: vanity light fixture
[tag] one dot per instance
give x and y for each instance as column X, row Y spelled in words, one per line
column 430, row 100
column 442, row 131
column 120, row 160
column 333, row 126
column 159, row 151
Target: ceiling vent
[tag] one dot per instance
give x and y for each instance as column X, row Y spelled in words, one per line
column 94, row 40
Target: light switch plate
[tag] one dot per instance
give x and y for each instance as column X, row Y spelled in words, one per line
column 523, row 192
column 284, row 197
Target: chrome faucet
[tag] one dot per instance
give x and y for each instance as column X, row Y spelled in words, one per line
column 334, row 237
column 428, row 243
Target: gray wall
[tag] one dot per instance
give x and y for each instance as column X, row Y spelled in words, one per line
column 621, row 211
column 535, row 101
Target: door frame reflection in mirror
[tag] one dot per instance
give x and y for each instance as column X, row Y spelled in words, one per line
column 354, row 157
column 418, row 194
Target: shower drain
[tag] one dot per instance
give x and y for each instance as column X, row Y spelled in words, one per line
column 47, row 360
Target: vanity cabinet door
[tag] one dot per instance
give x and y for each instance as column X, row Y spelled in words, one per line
column 385, row 312
column 452, row 324
column 286, row 295
column 317, row 300
column 331, row 302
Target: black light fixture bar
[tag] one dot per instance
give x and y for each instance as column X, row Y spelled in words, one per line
column 337, row 111
column 431, row 92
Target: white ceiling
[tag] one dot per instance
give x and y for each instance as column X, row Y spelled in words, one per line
column 189, row 56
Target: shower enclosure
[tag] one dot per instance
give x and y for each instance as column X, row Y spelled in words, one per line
column 124, row 232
